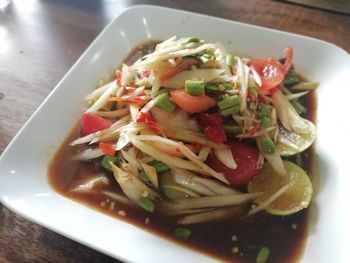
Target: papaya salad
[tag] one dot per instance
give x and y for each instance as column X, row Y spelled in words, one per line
column 199, row 135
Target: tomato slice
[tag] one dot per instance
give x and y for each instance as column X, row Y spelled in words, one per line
column 270, row 71
column 246, row 157
column 91, row 123
column 191, row 103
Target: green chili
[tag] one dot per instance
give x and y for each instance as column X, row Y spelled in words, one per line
column 291, row 79
column 265, row 122
column 159, row 166
column 144, row 177
column 146, row 204
column 182, row 233
column 309, row 85
column 298, row 106
column 105, row 161
column 254, row 89
column 165, row 102
column 251, row 83
column 209, row 53
column 211, row 87
column 268, row 146
column 264, row 110
column 252, row 106
column 232, row 129
column 195, row 87
column 193, row 39
column 263, row 255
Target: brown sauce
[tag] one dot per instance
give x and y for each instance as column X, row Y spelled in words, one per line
column 284, row 236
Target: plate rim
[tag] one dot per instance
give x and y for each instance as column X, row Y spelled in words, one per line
column 90, row 46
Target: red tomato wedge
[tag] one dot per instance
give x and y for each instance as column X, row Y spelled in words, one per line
column 246, row 157
column 270, row 71
column 91, row 123
column 191, row 103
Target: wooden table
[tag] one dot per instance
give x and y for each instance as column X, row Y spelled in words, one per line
column 39, row 42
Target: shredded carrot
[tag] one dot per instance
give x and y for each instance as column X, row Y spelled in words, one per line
column 145, row 117
column 107, row 148
column 154, row 128
column 139, row 100
column 179, row 68
column 252, row 129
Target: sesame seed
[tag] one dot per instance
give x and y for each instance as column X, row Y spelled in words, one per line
column 294, row 226
column 145, row 194
column 103, row 204
column 126, row 166
column 235, row 250
column 234, row 238
column 122, row 213
column 112, row 206
column 147, row 220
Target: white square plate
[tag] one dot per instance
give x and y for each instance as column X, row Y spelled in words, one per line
column 23, row 166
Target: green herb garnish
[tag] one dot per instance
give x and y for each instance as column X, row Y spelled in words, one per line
column 263, row 255
column 182, row 233
column 146, row 204
column 105, row 161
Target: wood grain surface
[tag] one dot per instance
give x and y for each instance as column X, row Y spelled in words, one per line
column 39, row 42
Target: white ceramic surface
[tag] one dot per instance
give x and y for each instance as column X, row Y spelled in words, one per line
column 23, row 165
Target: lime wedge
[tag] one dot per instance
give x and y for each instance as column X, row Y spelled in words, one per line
column 267, row 182
column 290, row 143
